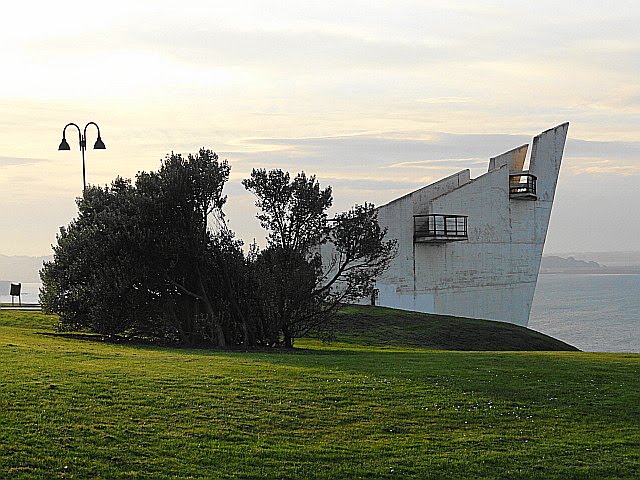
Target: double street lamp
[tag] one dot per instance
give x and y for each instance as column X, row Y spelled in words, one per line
column 82, row 135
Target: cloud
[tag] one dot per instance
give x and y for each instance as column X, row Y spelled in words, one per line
column 391, row 163
column 448, row 100
column 15, row 161
column 370, row 184
column 431, row 36
column 293, row 50
column 593, row 166
column 618, row 150
column 442, row 163
column 385, row 151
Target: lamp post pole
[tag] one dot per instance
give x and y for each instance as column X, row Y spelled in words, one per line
column 82, row 136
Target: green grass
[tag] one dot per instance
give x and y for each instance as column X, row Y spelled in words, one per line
column 363, row 324
column 82, row 409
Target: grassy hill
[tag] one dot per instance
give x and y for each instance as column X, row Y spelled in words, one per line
column 83, row 409
column 362, row 324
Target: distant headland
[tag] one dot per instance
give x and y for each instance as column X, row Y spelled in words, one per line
column 602, row 263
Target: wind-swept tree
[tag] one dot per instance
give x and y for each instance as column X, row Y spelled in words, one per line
column 298, row 290
column 358, row 254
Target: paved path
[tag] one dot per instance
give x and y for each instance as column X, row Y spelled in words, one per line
column 29, row 307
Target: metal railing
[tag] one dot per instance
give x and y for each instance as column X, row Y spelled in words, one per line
column 522, row 184
column 438, row 227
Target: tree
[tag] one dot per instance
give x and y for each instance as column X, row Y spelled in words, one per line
column 140, row 258
column 297, row 291
column 358, row 256
column 179, row 200
column 294, row 213
column 92, row 281
column 285, row 281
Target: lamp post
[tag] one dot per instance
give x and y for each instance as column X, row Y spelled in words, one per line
column 82, row 135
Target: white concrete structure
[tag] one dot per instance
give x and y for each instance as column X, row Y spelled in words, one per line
column 472, row 247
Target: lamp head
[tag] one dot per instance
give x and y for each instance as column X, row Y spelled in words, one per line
column 64, row 145
column 99, row 145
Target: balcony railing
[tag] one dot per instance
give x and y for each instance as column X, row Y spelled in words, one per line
column 437, row 228
column 522, row 185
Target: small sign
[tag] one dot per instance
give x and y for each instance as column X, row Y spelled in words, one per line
column 15, row 292
column 15, row 289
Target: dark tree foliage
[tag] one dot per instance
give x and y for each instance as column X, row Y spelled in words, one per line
column 359, row 254
column 93, row 278
column 155, row 259
column 285, row 280
column 293, row 212
column 139, row 259
column 297, row 291
column 179, row 199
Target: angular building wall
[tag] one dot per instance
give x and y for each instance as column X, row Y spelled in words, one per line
column 491, row 273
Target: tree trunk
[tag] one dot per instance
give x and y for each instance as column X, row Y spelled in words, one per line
column 288, row 339
column 221, row 341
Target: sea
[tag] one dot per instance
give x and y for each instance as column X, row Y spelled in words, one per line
column 29, row 292
column 594, row 312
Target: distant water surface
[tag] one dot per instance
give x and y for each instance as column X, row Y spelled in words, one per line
column 29, row 292
column 596, row 313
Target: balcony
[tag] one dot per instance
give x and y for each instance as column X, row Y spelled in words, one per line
column 522, row 186
column 439, row 228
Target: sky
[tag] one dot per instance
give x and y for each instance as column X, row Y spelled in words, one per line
column 374, row 98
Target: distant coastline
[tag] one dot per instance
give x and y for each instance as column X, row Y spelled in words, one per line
column 21, row 269
column 602, row 271
column 556, row 264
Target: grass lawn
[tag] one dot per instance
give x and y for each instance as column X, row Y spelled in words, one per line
column 82, row 409
column 365, row 325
